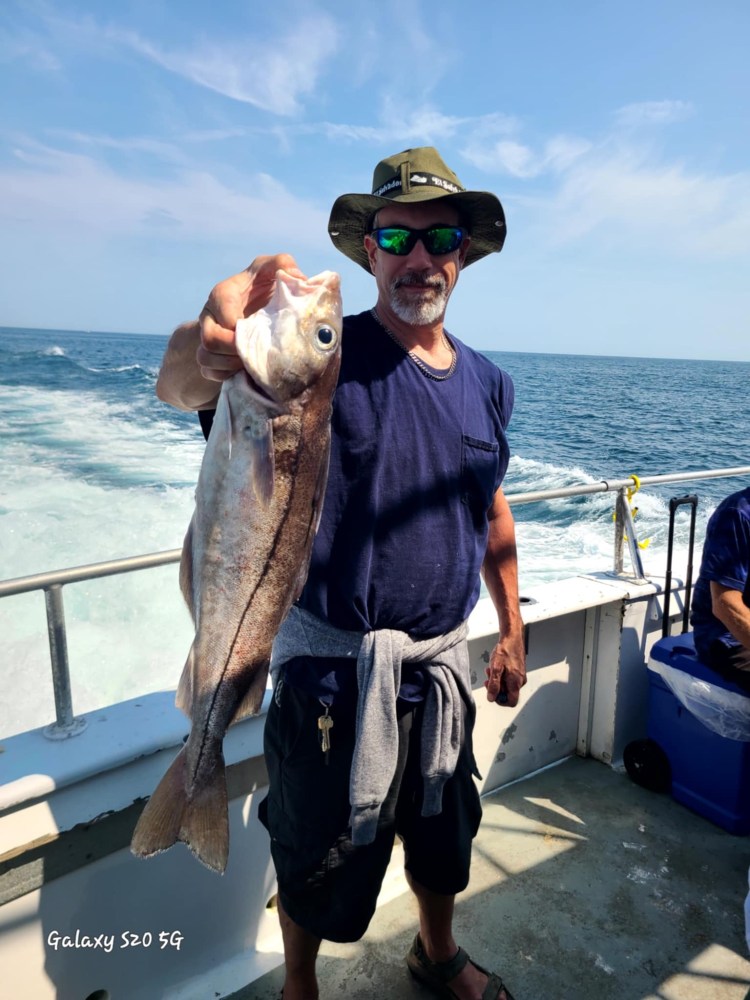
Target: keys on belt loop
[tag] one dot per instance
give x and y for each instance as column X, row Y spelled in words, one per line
column 325, row 724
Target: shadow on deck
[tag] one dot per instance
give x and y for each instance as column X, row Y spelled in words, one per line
column 584, row 887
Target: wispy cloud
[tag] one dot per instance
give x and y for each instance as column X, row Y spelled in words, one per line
column 270, row 73
column 75, row 193
column 511, row 157
column 653, row 113
column 29, row 48
column 158, row 149
column 618, row 190
column 421, row 125
column 626, row 200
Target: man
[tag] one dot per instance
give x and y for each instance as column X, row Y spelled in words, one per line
column 720, row 612
column 413, row 511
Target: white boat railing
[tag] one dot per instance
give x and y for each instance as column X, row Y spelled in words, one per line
column 52, row 583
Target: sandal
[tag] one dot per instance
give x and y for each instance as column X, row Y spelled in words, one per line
column 437, row 975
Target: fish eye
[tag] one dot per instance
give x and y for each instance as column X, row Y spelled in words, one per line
column 325, row 337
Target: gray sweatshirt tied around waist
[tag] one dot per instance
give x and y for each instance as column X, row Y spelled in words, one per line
column 379, row 655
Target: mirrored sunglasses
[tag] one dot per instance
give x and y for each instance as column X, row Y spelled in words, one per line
column 437, row 240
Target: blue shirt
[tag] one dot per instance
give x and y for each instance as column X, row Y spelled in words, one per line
column 726, row 560
column 415, row 464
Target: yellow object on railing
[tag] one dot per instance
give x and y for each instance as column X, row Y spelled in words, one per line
column 630, row 492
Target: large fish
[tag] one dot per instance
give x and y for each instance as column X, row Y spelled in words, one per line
column 247, row 550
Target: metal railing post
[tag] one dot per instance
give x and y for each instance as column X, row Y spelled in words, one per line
column 66, row 725
column 625, row 529
column 620, row 503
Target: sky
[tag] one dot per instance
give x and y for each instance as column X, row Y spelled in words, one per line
column 150, row 148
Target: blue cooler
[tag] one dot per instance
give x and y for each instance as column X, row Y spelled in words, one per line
column 710, row 773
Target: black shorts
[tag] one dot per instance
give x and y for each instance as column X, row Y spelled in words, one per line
column 326, row 884
column 732, row 662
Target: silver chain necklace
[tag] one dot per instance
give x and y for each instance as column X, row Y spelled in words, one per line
column 415, row 358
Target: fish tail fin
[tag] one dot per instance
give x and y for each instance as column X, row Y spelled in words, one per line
column 201, row 822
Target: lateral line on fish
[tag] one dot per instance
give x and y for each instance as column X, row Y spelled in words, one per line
column 259, row 583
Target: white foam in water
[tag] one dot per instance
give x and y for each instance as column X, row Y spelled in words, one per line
column 127, row 635
column 572, row 536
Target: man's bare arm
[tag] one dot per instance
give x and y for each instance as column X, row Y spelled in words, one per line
column 181, row 382
column 732, row 612
column 506, row 673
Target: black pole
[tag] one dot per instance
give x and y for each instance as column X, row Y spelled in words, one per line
column 668, row 576
column 674, row 503
column 693, row 501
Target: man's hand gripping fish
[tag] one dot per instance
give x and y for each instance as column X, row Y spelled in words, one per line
column 247, row 550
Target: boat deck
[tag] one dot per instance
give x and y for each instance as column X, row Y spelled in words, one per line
column 584, row 887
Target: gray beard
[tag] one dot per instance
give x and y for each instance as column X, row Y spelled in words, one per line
column 414, row 311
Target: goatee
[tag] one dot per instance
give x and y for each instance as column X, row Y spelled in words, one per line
column 419, row 310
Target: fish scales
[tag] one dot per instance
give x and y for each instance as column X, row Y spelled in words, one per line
column 248, row 547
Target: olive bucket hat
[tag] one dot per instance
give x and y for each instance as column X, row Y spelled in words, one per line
column 416, row 175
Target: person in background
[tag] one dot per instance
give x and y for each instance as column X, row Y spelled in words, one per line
column 413, row 511
column 720, row 612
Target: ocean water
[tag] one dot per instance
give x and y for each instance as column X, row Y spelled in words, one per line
column 94, row 467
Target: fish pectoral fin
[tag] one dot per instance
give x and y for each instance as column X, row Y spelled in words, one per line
column 186, row 569
column 320, row 487
column 263, row 465
column 201, row 822
column 250, row 704
column 316, row 509
column 222, row 425
column 184, row 696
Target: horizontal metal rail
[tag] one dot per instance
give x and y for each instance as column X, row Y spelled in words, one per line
column 609, row 485
column 51, row 583
column 66, row 725
column 77, row 574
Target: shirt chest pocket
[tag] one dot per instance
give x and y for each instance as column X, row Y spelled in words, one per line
column 479, row 469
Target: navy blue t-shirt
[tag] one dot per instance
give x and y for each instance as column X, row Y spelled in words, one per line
column 726, row 560
column 415, row 464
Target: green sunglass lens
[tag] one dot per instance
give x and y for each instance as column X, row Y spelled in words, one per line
column 443, row 240
column 395, row 241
